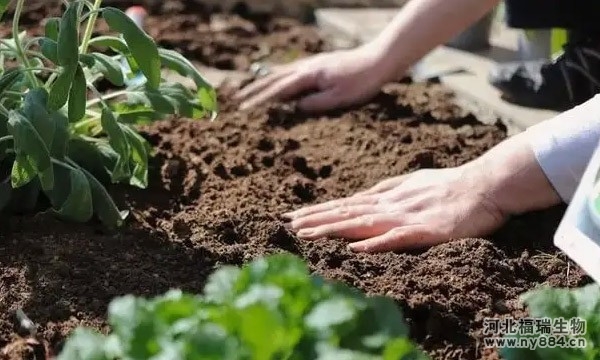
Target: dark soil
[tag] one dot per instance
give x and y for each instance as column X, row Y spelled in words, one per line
column 227, row 41
column 217, row 189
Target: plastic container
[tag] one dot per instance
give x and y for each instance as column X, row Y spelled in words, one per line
column 578, row 234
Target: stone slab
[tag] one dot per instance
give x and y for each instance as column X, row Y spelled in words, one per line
column 464, row 72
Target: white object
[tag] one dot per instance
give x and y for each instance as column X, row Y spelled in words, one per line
column 566, row 147
column 578, row 234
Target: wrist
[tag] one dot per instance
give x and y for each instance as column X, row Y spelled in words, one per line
column 514, row 180
column 383, row 65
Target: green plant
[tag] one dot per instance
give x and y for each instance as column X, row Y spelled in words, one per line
column 61, row 137
column 554, row 304
column 270, row 309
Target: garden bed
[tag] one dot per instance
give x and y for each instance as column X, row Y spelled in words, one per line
column 216, row 190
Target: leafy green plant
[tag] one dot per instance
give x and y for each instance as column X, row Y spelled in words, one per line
column 270, row 309
column 59, row 135
column 551, row 303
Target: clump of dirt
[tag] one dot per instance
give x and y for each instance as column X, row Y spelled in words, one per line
column 217, row 189
column 227, row 41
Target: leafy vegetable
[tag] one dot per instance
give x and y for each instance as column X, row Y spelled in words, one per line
column 270, row 309
column 59, row 135
column 581, row 305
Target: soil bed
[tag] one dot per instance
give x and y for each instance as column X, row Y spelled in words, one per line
column 217, row 189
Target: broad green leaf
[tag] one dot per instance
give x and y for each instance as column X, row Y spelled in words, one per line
column 332, row 312
column 138, row 158
column 49, row 49
column 208, row 100
column 142, row 46
column 84, row 344
column 333, row 353
column 384, row 314
column 168, row 99
column 206, row 93
column 220, row 287
column 23, row 172
column 3, row 6
column 60, row 142
column 34, row 109
column 135, row 113
column 118, row 141
column 59, row 94
column 52, row 28
column 402, row 349
column 177, row 62
column 77, row 96
column 261, row 328
column 87, row 60
column 30, row 145
column 72, row 197
column 96, row 156
column 68, row 37
column 109, row 67
column 112, row 42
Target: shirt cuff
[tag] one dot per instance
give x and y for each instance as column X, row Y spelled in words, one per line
column 563, row 145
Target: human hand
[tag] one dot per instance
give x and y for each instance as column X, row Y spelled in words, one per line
column 424, row 208
column 336, row 79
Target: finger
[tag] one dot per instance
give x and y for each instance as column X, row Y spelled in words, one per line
column 383, row 186
column 259, row 85
column 332, row 216
column 400, row 238
column 330, row 205
column 284, row 88
column 361, row 227
column 322, row 101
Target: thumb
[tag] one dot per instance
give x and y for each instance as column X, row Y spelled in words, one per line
column 323, row 100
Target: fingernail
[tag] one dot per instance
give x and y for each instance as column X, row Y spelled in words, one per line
column 356, row 248
column 287, row 226
column 306, row 233
column 288, row 216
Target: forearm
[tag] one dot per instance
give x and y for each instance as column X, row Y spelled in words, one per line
column 543, row 165
column 421, row 26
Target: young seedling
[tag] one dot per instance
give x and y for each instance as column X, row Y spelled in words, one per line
column 63, row 138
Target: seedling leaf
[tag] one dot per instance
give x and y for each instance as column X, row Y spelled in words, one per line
column 104, row 206
column 52, row 28
column 77, row 96
column 142, row 46
column 111, row 42
column 34, row 109
column 49, row 49
column 109, row 67
column 59, row 93
column 118, row 141
column 68, row 37
column 71, row 197
column 32, row 153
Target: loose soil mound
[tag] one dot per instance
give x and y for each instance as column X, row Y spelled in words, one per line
column 215, row 195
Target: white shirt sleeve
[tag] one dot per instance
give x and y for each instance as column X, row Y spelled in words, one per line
column 564, row 145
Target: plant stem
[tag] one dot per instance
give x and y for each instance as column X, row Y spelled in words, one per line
column 107, row 97
column 18, row 45
column 6, row 138
column 87, row 35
